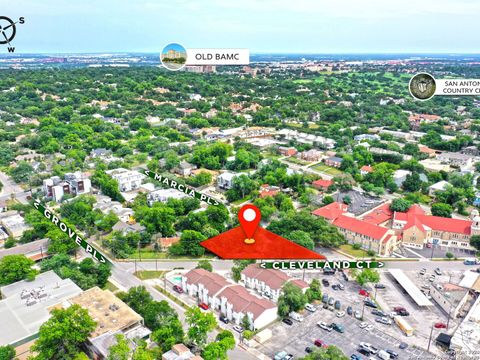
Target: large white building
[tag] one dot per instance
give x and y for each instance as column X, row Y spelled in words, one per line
column 163, row 195
column 231, row 300
column 225, row 180
column 127, row 179
column 466, row 338
column 305, row 138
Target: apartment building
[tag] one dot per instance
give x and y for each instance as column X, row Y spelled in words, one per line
column 73, row 184
column 127, row 179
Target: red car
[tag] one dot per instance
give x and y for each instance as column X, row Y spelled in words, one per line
column 399, row 309
column 440, row 325
column 320, row 343
column 203, row 306
column 178, row 289
column 364, row 292
column 429, row 245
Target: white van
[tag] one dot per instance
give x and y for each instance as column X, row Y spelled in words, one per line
column 296, row 316
column 382, row 354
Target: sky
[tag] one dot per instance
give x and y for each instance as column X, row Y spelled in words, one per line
column 263, row 26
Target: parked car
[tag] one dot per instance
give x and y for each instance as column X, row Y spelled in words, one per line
column 423, row 271
column 224, row 319
column 308, row 350
column 325, row 282
column 355, row 357
column 431, row 278
column 310, row 307
column 177, row 289
column 345, row 277
column 338, row 327
column 349, row 310
column 363, row 325
column 392, row 353
column 288, row 357
column 368, row 347
column 369, row 327
column 328, row 271
column 287, row 321
column 440, row 325
column 425, row 286
column 334, row 287
column 325, row 298
column 338, row 305
column 203, row 306
column 403, row 313
column 238, row 328
column 363, row 292
column 319, row 343
column 384, row 320
column 331, row 301
column 324, row 326
column 399, row 308
column 428, row 245
column 340, row 314
column 370, row 303
column 403, row 345
column 438, row 271
column 383, row 355
column 341, row 286
column 379, row 286
column 378, row 312
column 280, row 355
column 358, row 315
column 325, row 306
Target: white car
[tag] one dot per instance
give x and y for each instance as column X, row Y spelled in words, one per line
column 363, row 325
column 310, row 308
column 341, row 286
column 431, row 278
column 324, row 326
column 358, row 315
column 369, row 327
column 340, row 314
column 238, row 328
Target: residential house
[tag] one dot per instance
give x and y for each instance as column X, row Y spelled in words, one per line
column 400, row 175
column 439, row 186
column 363, row 137
column 435, row 165
column 267, row 190
column 366, row 169
column 231, row 300
column 163, row 195
column 287, row 151
column 184, row 168
column 334, row 161
column 105, row 205
column 127, row 179
column 73, row 184
column 165, row 242
column 455, row 159
column 311, row 155
column 331, row 211
column 126, row 228
column 13, row 223
column 180, row 352
column 322, row 184
column 225, row 180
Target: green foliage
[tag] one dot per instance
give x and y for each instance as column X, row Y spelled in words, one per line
column 450, row 256
column 205, row 264
column 291, row 299
column 401, row 205
column 327, row 199
column 108, row 185
column 242, row 186
column 62, row 336
column 442, row 209
column 330, row 353
column 302, row 238
column 7, row 352
column 475, row 241
column 120, row 350
column 367, row 276
column 199, row 325
column 14, row 268
column 238, row 266
column 314, row 292
column 212, row 156
column 201, row 179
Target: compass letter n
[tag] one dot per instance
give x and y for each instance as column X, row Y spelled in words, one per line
column 11, row 49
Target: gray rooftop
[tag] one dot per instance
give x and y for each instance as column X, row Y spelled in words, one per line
column 20, row 322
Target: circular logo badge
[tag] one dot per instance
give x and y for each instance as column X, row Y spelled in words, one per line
column 422, row 86
column 173, row 56
column 7, row 30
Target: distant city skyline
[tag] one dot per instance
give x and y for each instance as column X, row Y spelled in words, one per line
column 268, row 26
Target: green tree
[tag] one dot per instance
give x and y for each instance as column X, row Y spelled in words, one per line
column 291, row 299
column 401, row 205
column 7, row 352
column 314, row 292
column 190, row 240
column 120, row 350
column 14, row 268
column 330, row 353
column 475, row 241
column 205, row 264
column 327, row 199
column 246, row 324
column 442, row 209
column 412, row 182
column 302, row 238
column 367, row 276
column 199, row 325
column 61, row 336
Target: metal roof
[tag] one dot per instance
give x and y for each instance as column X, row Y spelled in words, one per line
column 410, row 287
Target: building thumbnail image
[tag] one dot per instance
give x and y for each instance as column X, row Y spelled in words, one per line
column 73, row 184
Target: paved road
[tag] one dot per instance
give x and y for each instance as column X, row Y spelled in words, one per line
column 10, row 187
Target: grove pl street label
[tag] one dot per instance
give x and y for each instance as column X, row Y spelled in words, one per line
column 54, row 219
column 181, row 187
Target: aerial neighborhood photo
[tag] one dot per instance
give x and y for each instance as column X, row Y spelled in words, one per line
column 230, row 180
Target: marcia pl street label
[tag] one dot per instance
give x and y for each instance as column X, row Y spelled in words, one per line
column 70, row 232
column 181, row 187
column 8, row 31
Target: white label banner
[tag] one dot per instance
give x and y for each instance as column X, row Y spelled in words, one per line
column 457, row 87
column 218, row 57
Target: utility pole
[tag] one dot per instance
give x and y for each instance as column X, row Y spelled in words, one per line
column 363, row 308
column 433, row 247
column 430, row 339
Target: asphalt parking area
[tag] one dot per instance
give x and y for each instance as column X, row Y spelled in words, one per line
column 360, row 203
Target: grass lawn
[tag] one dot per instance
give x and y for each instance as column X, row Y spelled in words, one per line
column 297, row 161
column 326, row 169
column 240, row 201
column 110, row 286
column 149, row 274
column 347, row 248
column 146, row 254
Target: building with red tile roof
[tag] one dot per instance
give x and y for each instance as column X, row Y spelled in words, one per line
column 322, row 184
column 268, row 282
column 418, row 228
column 366, row 169
column 232, row 300
column 378, row 215
column 267, row 190
column 331, row 211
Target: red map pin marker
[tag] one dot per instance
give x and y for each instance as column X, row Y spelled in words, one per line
column 249, row 217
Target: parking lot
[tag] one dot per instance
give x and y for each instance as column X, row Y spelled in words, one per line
column 360, row 203
column 295, row 338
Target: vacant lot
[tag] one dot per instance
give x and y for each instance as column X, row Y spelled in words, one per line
column 326, row 169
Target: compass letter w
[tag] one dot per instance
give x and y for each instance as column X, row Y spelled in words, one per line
column 11, row 49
